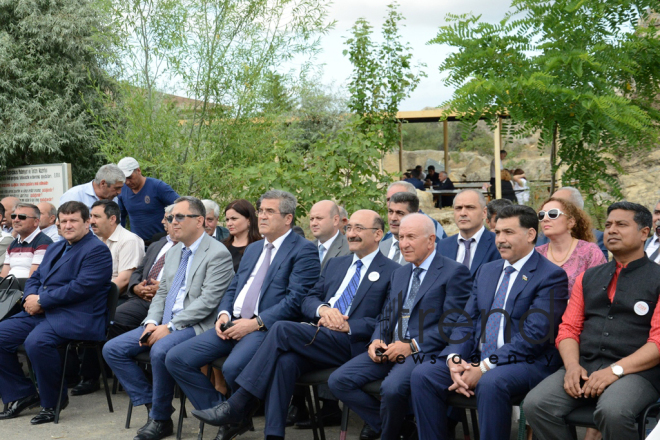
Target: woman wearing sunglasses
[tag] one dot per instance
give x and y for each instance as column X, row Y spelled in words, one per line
column 571, row 242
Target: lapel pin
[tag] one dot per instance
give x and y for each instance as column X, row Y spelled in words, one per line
column 374, row 276
column 524, row 277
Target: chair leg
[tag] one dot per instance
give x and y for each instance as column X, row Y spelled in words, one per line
column 574, row 432
column 105, row 378
column 58, row 408
column 344, row 422
column 466, row 427
column 312, row 412
column 317, row 403
column 475, row 423
column 209, row 373
column 129, row 413
column 182, row 414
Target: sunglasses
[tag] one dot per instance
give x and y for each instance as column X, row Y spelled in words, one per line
column 20, row 216
column 553, row 214
column 180, row 217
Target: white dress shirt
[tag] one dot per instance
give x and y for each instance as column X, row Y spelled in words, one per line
column 327, row 245
column 473, row 247
column 51, row 231
column 393, row 248
column 238, row 303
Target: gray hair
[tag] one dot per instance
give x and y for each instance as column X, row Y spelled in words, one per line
column 169, row 208
column 52, row 210
column 111, row 173
column 480, row 195
column 37, row 213
column 407, row 185
column 576, row 196
column 287, row 200
column 196, row 205
column 210, row 205
column 342, row 212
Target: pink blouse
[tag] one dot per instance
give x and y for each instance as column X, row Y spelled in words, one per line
column 585, row 256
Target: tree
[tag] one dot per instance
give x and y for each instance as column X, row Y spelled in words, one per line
column 586, row 73
column 53, row 54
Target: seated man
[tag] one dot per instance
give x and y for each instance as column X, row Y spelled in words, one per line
column 445, row 183
column 9, row 204
column 505, row 333
column 196, row 274
column 473, row 245
column 421, row 293
column 415, row 180
column 47, row 222
column 402, row 186
column 400, row 205
column 344, row 304
column 27, row 250
column 273, row 277
column 493, row 208
column 211, row 226
column 65, row 299
column 609, row 339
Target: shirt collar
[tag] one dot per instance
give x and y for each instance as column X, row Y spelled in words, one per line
column 278, row 242
column 329, row 241
column 169, row 239
column 520, row 263
column 426, row 263
column 29, row 237
column 115, row 235
column 367, row 259
column 193, row 247
column 476, row 237
column 89, row 190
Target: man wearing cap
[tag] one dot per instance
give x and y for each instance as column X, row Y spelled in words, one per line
column 143, row 200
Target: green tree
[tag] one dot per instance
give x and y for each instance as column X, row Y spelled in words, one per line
column 583, row 72
column 53, row 53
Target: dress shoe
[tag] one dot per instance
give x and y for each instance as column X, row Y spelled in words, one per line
column 149, row 420
column 229, row 432
column 368, row 433
column 219, row 415
column 86, row 387
column 155, row 430
column 47, row 415
column 17, row 406
column 296, row 414
column 328, row 418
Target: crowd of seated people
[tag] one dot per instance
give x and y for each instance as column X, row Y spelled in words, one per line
column 519, row 304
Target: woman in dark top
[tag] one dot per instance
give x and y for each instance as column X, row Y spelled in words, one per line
column 507, row 187
column 241, row 220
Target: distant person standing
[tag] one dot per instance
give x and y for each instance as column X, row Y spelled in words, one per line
column 520, row 186
column 47, row 221
column 107, row 184
column 143, row 200
column 503, row 154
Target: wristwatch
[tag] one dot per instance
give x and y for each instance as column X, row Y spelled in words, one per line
column 260, row 323
column 38, row 300
column 483, row 368
column 170, row 327
column 617, row 370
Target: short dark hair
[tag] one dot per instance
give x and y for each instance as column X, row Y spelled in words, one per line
column 2, row 210
column 110, row 208
column 642, row 217
column 416, row 173
column 379, row 223
column 495, row 206
column 72, row 207
column 527, row 217
column 431, row 167
column 196, row 205
column 405, row 197
column 503, row 151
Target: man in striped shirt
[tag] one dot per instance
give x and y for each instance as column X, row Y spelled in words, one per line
column 25, row 253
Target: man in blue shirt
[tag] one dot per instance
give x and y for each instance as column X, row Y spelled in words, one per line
column 415, row 180
column 107, row 184
column 143, row 199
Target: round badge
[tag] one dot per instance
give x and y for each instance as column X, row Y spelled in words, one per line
column 147, row 199
column 641, row 308
column 374, row 276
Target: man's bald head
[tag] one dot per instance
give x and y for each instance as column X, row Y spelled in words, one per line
column 416, row 238
column 364, row 231
column 48, row 214
column 10, row 204
column 324, row 220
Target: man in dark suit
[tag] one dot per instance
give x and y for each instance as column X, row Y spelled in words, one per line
column 420, row 294
column 473, row 245
column 342, row 306
column 65, row 299
column 445, row 183
column 196, row 273
column 519, row 301
column 325, row 221
column 273, row 277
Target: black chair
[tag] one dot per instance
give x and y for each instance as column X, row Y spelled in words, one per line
column 584, row 417
column 462, row 402
column 311, row 382
column 218, row 363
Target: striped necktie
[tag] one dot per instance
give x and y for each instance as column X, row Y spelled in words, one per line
column 493, row 324
column 177, row 282
column 346, row 298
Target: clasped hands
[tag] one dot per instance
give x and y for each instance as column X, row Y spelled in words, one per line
column 237, row 331
column 465, row 377
column 333, row 319
column 391, row 352
column 594, row 385
column 31, row 306
column 146, row 291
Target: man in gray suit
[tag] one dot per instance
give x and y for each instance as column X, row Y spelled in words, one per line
column 652, row 245
column 325, row 221
column 399, row 205
column 196, row 274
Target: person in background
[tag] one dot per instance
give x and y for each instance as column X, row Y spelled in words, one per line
column 142, row 200
column 507, row 187
column 503, row 155
column 107, row 184
column 25, row 253
column 415, row 180
column 402, row 186
column 492, row 209
column 652, row 245
column 324, row 222
column 211, row 225
column 9, row 203
column 243, row 225
column 47, row 221
column 344, row 219
column 432, row 178
column 5, row 237
column 520, row 186
column 422, row 174
column 445, row 183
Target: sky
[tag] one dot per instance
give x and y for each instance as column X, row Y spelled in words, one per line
column 423, row 18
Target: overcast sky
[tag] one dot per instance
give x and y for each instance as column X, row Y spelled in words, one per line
column 423, row 18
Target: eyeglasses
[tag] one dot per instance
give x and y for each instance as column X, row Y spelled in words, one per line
column 20, row 216
column 180, row 217
column 268, row 212
column 553, row 214
column 358, row 229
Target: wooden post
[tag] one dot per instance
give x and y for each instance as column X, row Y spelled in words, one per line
column 445, row 130
column 553, row 161
column 498, row 147
column 400, row 148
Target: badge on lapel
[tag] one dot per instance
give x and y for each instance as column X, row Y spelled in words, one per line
column 524, row 277
column 374, row 276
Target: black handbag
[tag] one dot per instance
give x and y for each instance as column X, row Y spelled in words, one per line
column 10, row 297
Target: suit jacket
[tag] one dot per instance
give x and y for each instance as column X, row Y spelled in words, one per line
column 385, row 245
column 338, row 248
column 73, row 289
column 447, row 184
column 142, row 271
column 221, row 233
column 367, row 302
column 209, row 275
column 292, row 273
column 540, row 285
column 485, row 252
column 441, row 297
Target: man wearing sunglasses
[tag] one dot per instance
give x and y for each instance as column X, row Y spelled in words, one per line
column 25, row 253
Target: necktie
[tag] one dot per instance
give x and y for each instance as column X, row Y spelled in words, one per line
column 252, row 295
column 410, row 299
column 655, row 254
column 156, row 268
column 493, row 324
column 321, row 252
column 397, row 252
column 466, row 258
column 67, row 247
column 177, row 282
column 346, row 298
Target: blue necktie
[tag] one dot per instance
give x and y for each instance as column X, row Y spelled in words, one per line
column 493, row 324
column 408, row 303
column 346, row 298
column 321, row 252
column 177, row 282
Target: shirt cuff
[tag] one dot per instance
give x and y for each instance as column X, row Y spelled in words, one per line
column 151, row 321
column 450, row 357
column 224, row 312
column 489, row 364
column 414, row 341
column 319, row 308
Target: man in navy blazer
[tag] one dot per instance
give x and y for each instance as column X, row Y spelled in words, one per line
column 273, row 277
column 65, row 299
column 496, row 355
column 420, row 295
column 342, row 309
column 473, row 245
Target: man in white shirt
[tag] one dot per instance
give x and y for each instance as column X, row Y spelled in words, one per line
column 652, row 248
column 25, row 253
column 47, row 221
column 324, row 222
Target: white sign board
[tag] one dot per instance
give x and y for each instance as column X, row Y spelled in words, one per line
column 36, row 183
